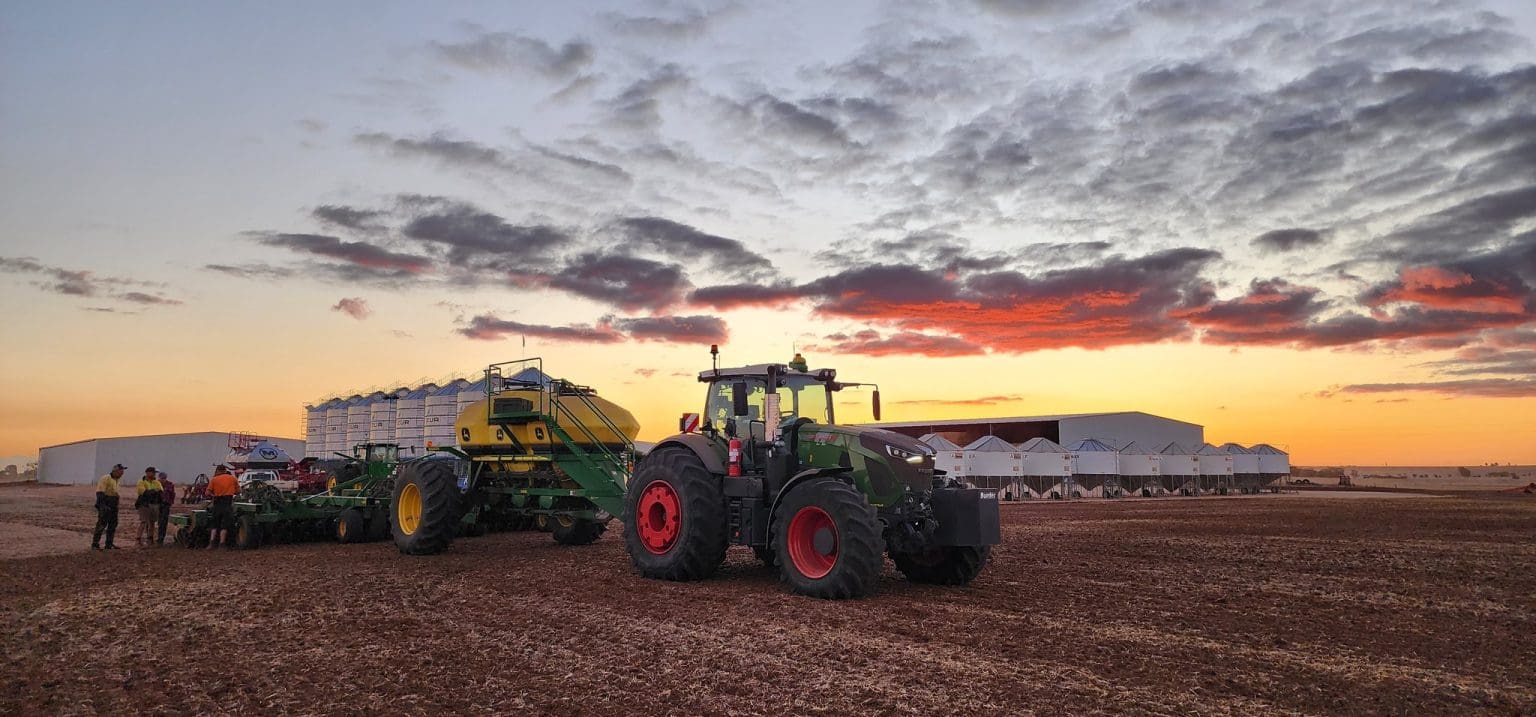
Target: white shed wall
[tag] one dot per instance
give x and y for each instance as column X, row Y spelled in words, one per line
column 181, row 456
column 993, row 463
column 1138, row 464
column 69, row 463
column 1095, row 463
column 1056, row 465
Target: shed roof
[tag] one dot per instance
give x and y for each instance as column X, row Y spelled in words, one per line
column 1207, row 449
column 1134, row 449
column 1174, row 449
column 1235, row 449
column 1264, row 449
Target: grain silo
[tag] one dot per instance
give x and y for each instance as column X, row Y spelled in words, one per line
column 1215, row 470
column 336, row 426
column 947, row 457
column 1095, row 469
column 1139, row 471
column 991, row 462
column 410, row 426
column 1274, row 466
column 357, row 420
column 1245, row 468
column 470, row 394
column 441, row 411
column 1046, row 468
column 381, row 417
column 1179, row 469
column 314, row 429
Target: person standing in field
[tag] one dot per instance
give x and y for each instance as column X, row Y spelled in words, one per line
column 106, row 508
column 167, row 499
column 148, row 505
column 222, row 488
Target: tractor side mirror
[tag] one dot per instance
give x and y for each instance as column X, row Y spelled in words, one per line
column 739, row 398
column 876, row 402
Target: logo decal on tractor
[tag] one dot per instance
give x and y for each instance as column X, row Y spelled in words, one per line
column 538, row 433
column 464, row 434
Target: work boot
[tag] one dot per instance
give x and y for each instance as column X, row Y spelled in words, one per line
column 110, row 547
column 95, row 546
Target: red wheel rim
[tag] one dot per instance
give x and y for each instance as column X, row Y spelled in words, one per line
column 812, row 542
column 659, row 517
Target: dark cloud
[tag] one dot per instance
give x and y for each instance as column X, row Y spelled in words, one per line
column 513, row 53
column 449, row 151
column 663, row 329
column 687, row 24
column 139, row 297
column 355, row 307
column 533, row 162
column 1283, row 240
column 901, row 343
column 472, row 236
column 674, row 329
column 362, row 254
column 349, row 217
column 680, row 240
column 626, row 282
column 487, row 327
column 638, row 105
column 1472, row 388
column 82, row 283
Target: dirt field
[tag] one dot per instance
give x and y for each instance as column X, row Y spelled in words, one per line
column 1275, row 604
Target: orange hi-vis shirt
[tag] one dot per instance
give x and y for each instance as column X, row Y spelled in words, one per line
column 223, row 485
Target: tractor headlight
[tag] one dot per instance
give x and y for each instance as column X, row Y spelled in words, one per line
column 903, row 454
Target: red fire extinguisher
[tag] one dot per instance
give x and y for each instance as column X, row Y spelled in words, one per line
column 734, row 470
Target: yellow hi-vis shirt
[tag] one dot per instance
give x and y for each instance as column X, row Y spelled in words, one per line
column 148, row 485
column 107, row 485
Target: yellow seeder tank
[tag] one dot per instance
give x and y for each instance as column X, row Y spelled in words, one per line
column 477, row 436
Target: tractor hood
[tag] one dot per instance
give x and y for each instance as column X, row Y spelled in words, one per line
column 893, row 462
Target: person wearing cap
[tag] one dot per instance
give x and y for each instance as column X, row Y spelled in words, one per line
column 167, row 498
column 106, row 508
column 148, row 505
column 222, row 488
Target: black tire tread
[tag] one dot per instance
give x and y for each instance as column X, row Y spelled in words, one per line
column 356, row 528
column 861, row 547
column 579, row 532
column 702, row 544
column 439, row 507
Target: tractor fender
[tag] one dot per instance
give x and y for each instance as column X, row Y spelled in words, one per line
column 838, row 472
column 701, row 447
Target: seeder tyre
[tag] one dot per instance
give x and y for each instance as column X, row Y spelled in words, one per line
column 828, row 540
column 247, row 533
column 577, row 531
column 953, row 565
column 426, row 507
column 676, row 517
column 350, row 526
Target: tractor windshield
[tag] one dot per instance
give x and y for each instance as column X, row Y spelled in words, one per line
column 800, row 396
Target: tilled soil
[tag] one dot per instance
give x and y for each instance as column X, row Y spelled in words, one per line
column 1274, row 605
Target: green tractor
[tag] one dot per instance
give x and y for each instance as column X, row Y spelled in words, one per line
column 769, row 467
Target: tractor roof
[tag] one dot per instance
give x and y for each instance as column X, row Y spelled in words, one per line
column 755, row 370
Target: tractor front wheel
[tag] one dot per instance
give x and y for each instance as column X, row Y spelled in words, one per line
column 827, row 538
column 577, row 531
column 949, row 565
column 674, row 527
column 426, row 507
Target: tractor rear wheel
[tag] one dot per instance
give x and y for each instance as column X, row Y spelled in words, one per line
column 350, row 527
column 674, row 527
column 827, row 537
column 949, row 565
column 247, row 533
column 426, row 507
column 577, row 531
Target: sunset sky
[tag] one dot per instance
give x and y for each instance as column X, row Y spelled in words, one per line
column 1311, row 224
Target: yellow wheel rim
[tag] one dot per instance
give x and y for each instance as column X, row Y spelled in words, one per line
column 341, row 528
column 408, row 509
